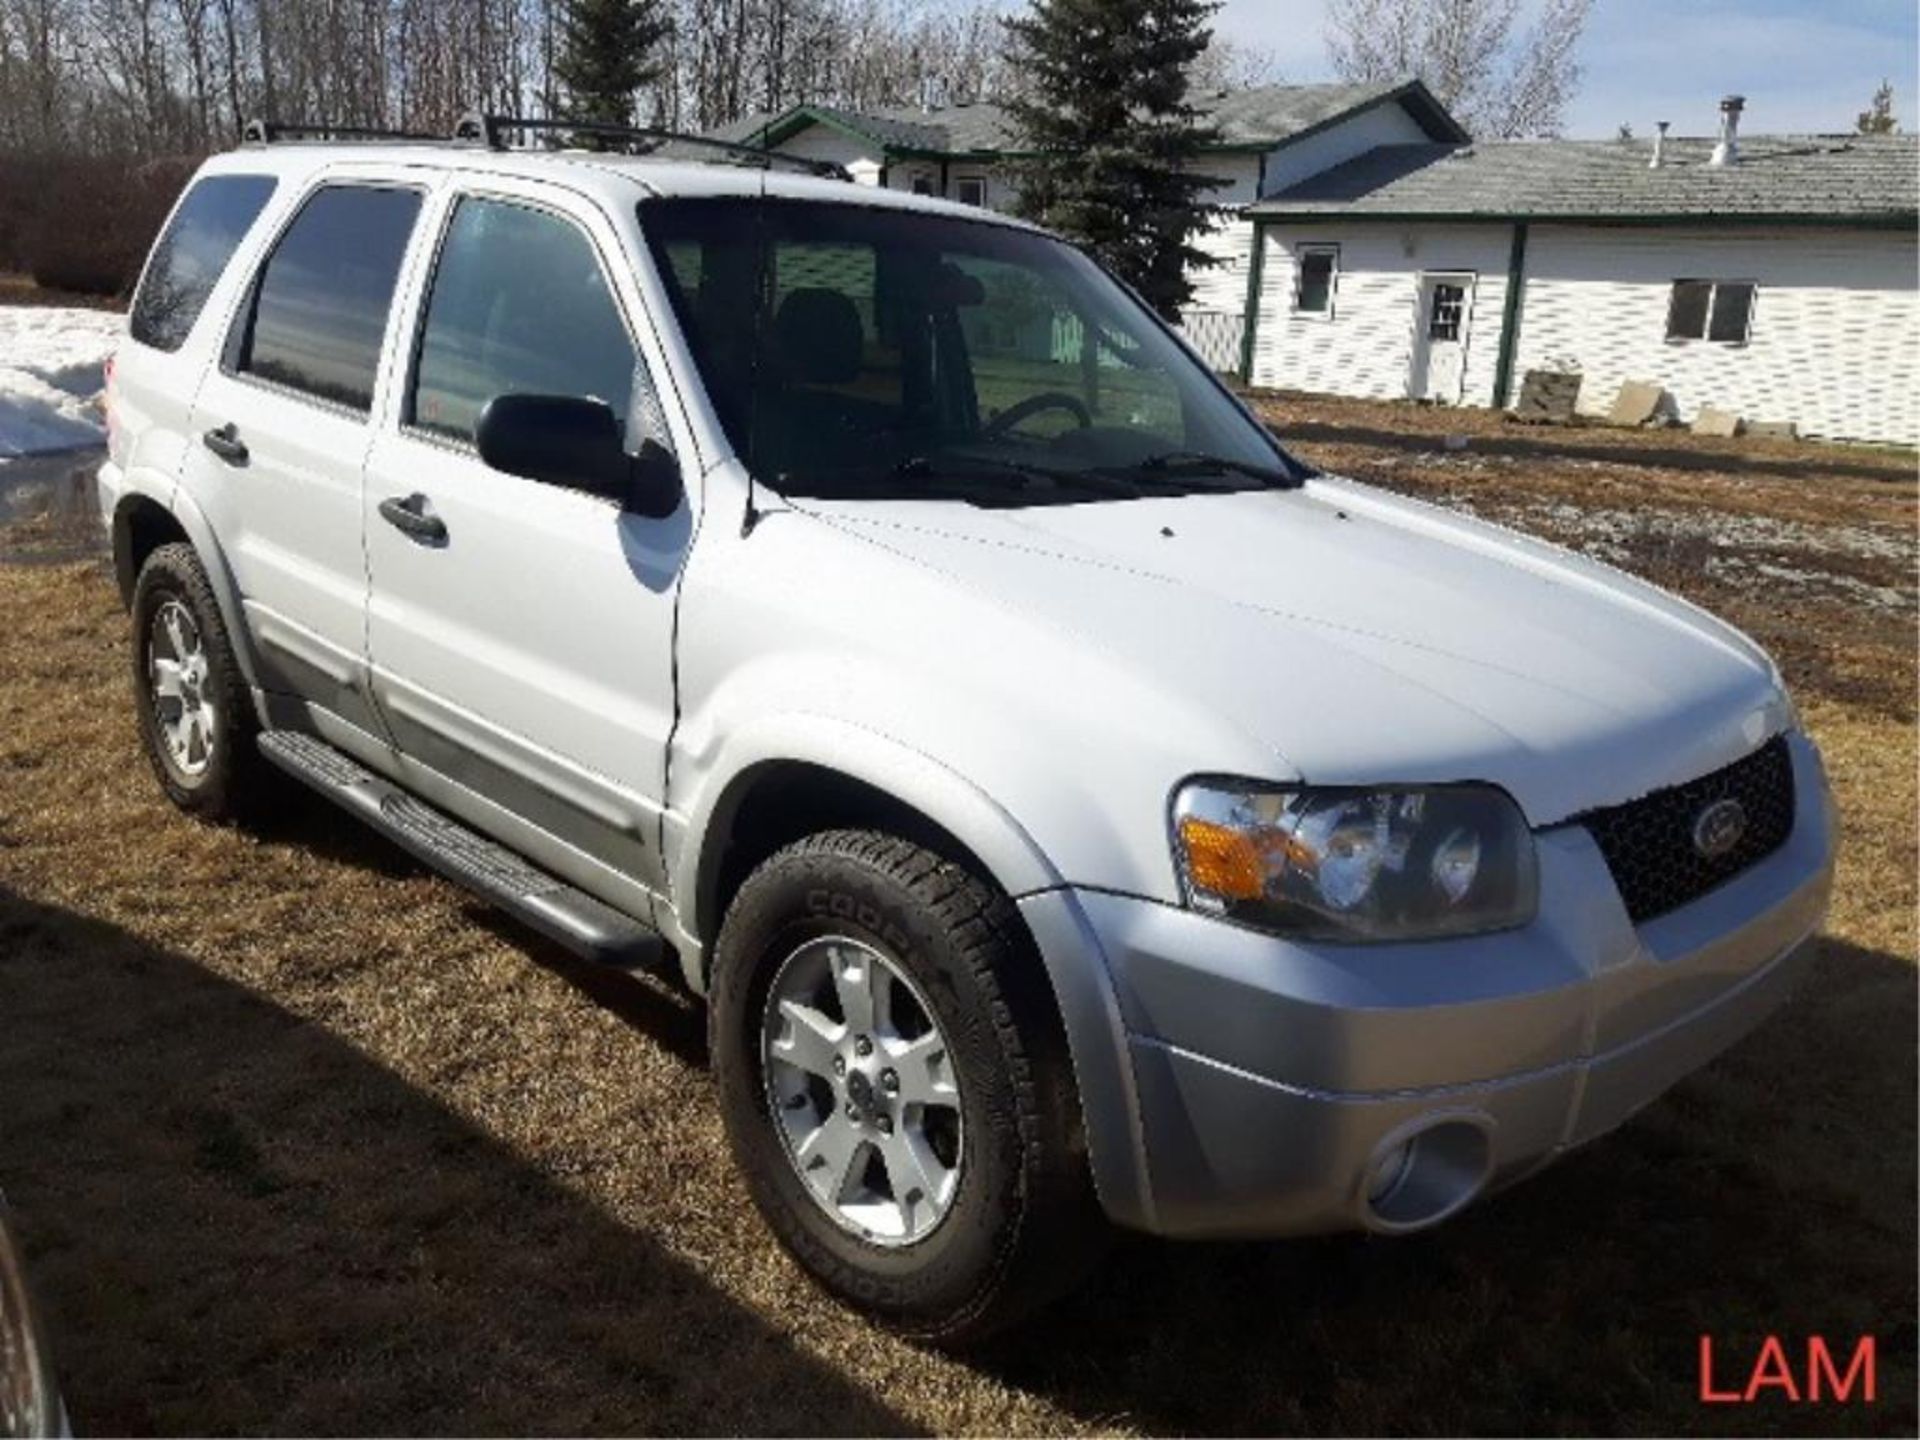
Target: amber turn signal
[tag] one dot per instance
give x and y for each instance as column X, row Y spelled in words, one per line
column 1222, row 861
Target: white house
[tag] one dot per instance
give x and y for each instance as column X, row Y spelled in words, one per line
column 1770, row 276
column 1270, row 137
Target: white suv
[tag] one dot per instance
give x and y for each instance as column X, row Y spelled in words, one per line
column 1074, row 808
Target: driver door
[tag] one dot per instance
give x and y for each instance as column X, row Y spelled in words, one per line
column 521, row 633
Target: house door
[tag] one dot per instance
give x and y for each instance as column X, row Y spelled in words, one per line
column 1440, row 337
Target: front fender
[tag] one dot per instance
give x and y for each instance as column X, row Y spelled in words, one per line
column 1013, row 859
column 1076, row 968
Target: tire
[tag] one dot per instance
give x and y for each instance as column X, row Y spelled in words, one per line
column 217, row 779
column 1021, row 1226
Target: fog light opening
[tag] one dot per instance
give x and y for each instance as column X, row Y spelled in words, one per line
column 1420, row 1179
column 1388, row 1171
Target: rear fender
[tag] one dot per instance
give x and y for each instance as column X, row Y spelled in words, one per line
column 206, row 545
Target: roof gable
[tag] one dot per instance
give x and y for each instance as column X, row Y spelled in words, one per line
column 1261, row 118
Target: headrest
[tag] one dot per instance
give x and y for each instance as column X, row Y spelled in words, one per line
column 817, row 337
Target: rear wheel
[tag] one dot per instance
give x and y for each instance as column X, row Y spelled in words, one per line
column 896, row 1086
column 196, row 716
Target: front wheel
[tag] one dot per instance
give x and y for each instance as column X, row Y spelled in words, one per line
column 896, row 1087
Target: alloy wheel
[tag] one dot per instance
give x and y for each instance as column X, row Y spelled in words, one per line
column 177, row 684
column 862, row 1090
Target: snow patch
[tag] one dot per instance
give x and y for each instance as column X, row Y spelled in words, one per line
column 52, row 370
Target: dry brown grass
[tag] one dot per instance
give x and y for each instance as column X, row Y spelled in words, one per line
column 301, row 1138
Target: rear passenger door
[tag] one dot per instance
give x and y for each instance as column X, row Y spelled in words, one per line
column 280, row 431
column 522, row 644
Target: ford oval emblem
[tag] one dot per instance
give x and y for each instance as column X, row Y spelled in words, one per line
column 1718, row 828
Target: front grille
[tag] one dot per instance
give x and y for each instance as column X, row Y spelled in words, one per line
column 1649, row 842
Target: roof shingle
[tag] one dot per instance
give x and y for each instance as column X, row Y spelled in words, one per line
column 1266, row 114
column 1839, row 177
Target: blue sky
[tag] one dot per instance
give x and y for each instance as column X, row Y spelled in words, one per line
column 1803, row 65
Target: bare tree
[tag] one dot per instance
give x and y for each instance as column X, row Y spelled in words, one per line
column 1502, row 73
column 1227, row 64
column 141, row 78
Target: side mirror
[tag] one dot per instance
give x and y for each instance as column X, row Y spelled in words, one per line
column 575, row 442
column 656, row 486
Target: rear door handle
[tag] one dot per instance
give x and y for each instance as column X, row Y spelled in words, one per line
column 413, row 516
column 225, row 442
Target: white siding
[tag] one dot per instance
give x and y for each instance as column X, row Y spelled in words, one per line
column 1223, row 286
column 1239, row 177
column 999, row 188
column 902, row 173
column 1382, row 125
column 1835, row 327
column 823, row 142
column 1365, row 346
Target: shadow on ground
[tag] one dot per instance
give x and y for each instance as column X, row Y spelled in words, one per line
column 327, row 1232
column 246, row 1179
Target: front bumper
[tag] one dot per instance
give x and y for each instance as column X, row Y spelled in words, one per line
column 1235, row 1083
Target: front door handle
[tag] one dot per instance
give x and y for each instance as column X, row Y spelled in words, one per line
column 225, row 442
column 413, row 516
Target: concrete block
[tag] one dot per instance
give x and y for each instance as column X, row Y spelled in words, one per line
column 1638, row 402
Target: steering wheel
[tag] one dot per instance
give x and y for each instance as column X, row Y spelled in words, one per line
column 1034, row 405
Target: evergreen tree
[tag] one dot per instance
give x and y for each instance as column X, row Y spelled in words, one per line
column 1877, row 118
column 607, row 52
column 1112, row 142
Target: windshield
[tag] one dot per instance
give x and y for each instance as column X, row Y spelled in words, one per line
column 854, row 351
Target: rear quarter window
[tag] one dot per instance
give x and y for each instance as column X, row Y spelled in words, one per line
column 191, row 254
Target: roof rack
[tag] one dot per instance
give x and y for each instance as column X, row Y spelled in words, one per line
column 274, row 132
column 476, row 127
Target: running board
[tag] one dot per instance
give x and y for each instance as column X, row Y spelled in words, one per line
column 571, row 917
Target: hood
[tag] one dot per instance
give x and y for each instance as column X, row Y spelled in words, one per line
column 1361, row 638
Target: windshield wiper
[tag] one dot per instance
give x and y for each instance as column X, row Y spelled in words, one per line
column 1199, row 462
column 1020, row 475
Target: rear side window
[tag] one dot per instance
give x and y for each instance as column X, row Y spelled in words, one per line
column 319, row 309
column 190, row 255
column 519, row 305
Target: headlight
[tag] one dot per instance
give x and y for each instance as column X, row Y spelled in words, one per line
column 1344, row 864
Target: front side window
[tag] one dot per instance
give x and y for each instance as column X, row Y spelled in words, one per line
column 319, row 311
column 856, row 351
column 1718, row 310
column 1313, row 285
column 202, row 236
column 519, row 304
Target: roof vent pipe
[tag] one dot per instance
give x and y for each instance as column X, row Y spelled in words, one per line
column 1727, row 152
column 1659, row 144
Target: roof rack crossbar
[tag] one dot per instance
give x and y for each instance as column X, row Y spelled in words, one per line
column 275, row 132
column 476, row 127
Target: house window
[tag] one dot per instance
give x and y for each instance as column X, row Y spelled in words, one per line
column 1717, row 310
column 1449, row 307
column 1314, row 278
column 923, row 185
column 971, row 190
